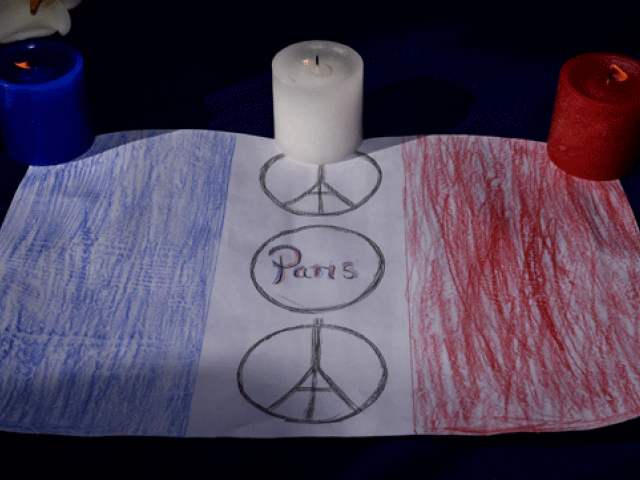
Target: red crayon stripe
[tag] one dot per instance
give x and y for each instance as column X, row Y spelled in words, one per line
column 522, row 290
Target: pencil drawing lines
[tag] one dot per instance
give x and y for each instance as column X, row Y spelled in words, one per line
column 319, row 407
column 300, row 270
column 321, row 190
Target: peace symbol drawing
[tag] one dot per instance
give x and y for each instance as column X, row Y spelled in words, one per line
column 294, row 373
column 325, row 190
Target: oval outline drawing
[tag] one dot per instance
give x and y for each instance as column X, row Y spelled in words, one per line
column 370, row 288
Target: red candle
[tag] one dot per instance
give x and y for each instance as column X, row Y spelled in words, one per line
column 595, row 127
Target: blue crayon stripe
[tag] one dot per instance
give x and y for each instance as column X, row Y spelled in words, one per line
column 106, row 268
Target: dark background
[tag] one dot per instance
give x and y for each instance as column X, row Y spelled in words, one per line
column 463, row 69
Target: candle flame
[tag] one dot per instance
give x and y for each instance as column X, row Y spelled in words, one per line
column 34, row 5
column 24, row 64
column 617, row 73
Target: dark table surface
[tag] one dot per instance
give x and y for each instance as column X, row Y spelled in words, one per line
column 464, row 69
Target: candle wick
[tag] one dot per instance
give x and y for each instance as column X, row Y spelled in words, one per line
column 34, row 5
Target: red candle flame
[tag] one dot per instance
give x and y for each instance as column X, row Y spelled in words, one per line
column 617, row 73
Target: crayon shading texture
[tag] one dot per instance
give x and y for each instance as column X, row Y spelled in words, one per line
column 523, row 289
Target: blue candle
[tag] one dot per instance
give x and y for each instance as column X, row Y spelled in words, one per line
column 44, row 112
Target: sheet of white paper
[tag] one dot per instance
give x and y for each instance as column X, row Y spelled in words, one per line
column 195, row 283
column 334, row 258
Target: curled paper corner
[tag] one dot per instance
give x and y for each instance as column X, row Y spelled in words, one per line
column 17, row 23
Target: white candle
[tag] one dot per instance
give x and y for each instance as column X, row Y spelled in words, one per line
column 317, row 101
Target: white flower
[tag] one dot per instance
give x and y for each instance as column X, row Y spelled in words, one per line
column 17, row 23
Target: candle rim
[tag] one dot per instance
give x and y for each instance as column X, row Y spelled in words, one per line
column 77, row 64
column 628, row 64
column 358, row 65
